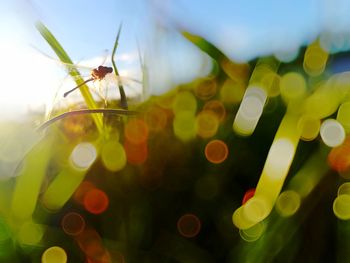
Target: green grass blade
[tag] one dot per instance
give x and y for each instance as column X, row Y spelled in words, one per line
column 123, row 100
column 63, row 56
column 221, row 61
column 205, row 46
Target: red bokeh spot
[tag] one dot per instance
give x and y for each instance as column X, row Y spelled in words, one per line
column 249, row 194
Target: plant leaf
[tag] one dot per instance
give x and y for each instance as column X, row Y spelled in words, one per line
column 63, row 56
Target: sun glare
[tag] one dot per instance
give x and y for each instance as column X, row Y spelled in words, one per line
column 28, row 80
column 32, row 80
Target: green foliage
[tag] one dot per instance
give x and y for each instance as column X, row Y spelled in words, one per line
column 123, row 100
column 63, row 56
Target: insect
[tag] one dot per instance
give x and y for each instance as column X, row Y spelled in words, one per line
column 110, row 81
column 105, row 75
column 101, row 72
column 96, row 74
column 110, row 89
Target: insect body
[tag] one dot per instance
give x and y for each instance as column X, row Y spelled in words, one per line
column 96, row 74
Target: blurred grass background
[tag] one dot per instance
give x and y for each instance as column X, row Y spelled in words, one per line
column 150, row 189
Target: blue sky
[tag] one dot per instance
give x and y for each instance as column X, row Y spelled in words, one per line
column 240, row 28
column 87, row 27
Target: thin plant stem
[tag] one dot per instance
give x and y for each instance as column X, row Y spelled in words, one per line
column 81, row 112
column 63, row 56
column 123, row 100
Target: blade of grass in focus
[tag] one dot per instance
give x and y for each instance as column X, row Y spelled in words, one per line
column 63, row 56
column 123, row 100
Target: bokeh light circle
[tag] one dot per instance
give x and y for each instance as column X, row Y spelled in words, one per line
column 189, row 225
column 184, row 101
column 253, row 233
column 207, row 124
column 288, row 203
column 292, row 86
column 332, row 133
column 54, row 255
column 136, row 131
column 73, row 223
column 30, row 233
column 216, row 151
column 205, row 89
column 83, row 155
column 344, row 189
column 309, row 127
column 255, row 209
column 217, row 107
column 96, row 201
column 341, row 207
column 136, row 154
column 113, row 156
column 184, row 126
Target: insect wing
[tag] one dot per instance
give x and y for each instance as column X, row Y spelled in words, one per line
column 111, row 85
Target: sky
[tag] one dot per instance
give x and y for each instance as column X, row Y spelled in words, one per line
column 242, row 29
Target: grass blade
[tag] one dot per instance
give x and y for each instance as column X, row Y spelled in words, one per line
column 123, row 100
column 63, row 56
